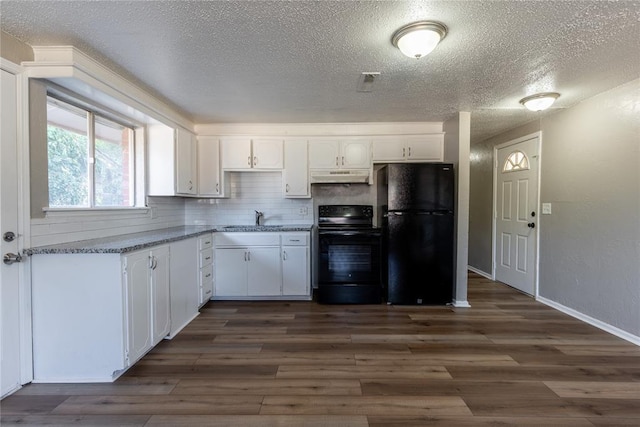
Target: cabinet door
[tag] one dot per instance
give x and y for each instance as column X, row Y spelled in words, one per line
column 160, row 278
column 235, row 153
column 161, row 160
column 209, row 176
column 388, row 149
column 264, row 275
column 138, row 305
column 184, row 283
column 186, row 162
column 267, row 153
column 295, row 270
column 296, row 168
column 356, row 154
column 425, row 147
column 324, row 154
column 232, row 279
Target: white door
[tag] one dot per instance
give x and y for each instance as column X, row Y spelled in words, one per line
column 516, row 214
column 9, row 272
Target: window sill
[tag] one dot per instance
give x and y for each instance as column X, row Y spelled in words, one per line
column 58, row 212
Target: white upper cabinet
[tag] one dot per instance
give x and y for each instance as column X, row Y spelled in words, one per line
column 172, row 162
column 344, row 153
column 244, row 153
column 212, row 182
column 295, row 176
column 408, row 148
column 186, row 163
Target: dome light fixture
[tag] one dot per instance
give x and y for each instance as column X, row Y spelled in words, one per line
column 539, row 101
column 419, row 38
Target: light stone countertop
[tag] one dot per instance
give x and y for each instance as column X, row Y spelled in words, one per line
column 135, row 241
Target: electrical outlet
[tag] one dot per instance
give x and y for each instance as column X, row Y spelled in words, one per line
column 303, row 211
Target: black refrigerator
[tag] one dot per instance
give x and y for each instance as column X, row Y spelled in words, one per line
column 416, row 213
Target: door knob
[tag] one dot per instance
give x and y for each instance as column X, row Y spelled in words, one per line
column 531, row 225
column 10, row 258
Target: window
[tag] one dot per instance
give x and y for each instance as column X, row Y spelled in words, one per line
column 90, row 158
column 516, row 161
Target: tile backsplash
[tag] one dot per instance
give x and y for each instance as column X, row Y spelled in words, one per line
column 250, row 192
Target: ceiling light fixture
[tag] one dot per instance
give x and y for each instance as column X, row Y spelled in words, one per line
column 539, row 101
column 419, row 38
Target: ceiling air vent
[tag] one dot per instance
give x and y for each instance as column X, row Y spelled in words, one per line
column 365, row 82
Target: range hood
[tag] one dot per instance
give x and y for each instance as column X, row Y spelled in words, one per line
column 341, row 176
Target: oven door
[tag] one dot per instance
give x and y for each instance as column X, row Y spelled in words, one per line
column 348, row 257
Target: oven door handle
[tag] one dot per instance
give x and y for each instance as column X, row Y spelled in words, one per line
column 344, row 233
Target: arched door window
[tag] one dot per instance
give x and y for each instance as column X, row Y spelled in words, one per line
column 516, row 161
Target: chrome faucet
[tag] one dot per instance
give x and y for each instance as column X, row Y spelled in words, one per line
column 259, row 216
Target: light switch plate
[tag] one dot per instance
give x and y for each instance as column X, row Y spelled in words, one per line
column 546, row 209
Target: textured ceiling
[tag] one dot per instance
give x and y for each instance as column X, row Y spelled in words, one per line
column 299, row 61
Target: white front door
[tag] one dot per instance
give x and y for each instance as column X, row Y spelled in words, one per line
column 9, row 239
column 516, row 213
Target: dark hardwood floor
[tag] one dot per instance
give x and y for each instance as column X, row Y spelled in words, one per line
column 507, row 361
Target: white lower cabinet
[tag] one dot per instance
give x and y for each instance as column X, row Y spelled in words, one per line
column 295, row 265
column 146, row 280
column 94, row 315
column 184, row 283
column 252, row 265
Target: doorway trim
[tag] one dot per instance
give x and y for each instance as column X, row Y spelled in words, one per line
column 494, row 213
column 24, row 215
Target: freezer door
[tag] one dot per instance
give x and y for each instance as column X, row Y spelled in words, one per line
column 420, row 259
column 424, row 186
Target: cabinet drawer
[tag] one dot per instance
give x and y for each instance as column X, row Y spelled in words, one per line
column 295, row 239
column 247, row 239
column 206, row 275
column 206, row 257
column 205, row 241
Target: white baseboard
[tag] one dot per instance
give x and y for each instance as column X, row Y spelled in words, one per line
column 633, row 339
column 480, row 272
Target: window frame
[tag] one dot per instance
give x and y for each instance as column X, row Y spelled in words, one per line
column 136, row 149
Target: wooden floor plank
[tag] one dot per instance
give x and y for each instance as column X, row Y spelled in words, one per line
column 365, row 405
column 260, row 421
column 273, row 358
column 342, row 371
column 166, row 405
column 448, row 387
column 266, row 387
column 409, row 360
column 444, row 421
column 74, row 420
column 596, row 390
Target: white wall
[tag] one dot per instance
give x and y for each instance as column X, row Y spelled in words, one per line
column 590, row 244
column 590, row 173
